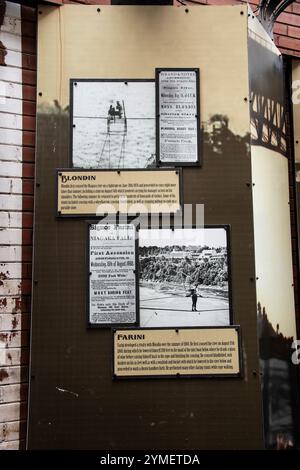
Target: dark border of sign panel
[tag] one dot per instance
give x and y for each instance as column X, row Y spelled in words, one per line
column 137, row 309
column 157, row 107
column 239, row 375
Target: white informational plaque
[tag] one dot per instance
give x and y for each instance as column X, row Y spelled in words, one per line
column 112, row 276
column 177, row 104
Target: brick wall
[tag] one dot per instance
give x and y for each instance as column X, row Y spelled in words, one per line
column 17, row 139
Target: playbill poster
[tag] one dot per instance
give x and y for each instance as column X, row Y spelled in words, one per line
column 112, row 275
column 178, row 116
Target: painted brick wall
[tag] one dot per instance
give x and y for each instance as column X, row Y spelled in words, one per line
column 17, row 139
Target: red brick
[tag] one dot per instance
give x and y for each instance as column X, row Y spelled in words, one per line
column 28, row 186
column 28, row 154
column 28, row 45
column 29, row 92
column 29, row 108
column 27, row 255
column 29, row 123
column 29, row 77
column 280, row 29
column 27, row 221
column 28, row 13
column 29, row 138
column 29, row 29
column 293, row 31
column 29, row 61
column 28, row 170
column 288, row 18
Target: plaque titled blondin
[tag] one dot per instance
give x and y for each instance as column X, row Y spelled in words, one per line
column 112, row 276
column 177, row 109
column 82, row 193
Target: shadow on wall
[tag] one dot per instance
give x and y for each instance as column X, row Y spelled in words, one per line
column 279, row 382
column 216, row 138
column 267, row 105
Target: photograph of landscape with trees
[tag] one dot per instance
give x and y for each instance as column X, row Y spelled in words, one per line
column 183, row 277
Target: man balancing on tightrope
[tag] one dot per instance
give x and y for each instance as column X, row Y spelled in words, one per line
column 195, row 299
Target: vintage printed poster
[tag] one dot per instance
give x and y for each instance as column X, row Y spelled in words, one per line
column 178, row 116
column 112, row 274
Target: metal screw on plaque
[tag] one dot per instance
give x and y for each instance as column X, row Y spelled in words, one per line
column 40, row 93
column 177, row 331
column 126, row 83
column 75, row 83
column 245, row 99
column 74, row 125
column 90, row 273
column 98, row 10
column 241, row 12
column 297, row 141
column 118, row 172
column 186, row 10
column 254, row 372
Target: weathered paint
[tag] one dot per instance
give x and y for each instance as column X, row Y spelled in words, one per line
column 14, row 324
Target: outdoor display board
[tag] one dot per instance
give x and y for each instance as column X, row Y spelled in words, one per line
column 81, row 358
column 178, row 128
column 112, row 123
column 182, row 352
column 98, row 192
column 112, row 284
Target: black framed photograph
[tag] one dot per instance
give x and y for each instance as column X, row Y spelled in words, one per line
column 112, row 123
column 178, row 116
column 113, row 297
column 185, row 277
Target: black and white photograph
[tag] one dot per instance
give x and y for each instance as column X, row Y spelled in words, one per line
column 184, row 277
column 113, row 124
